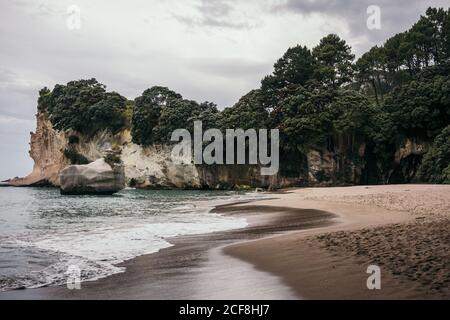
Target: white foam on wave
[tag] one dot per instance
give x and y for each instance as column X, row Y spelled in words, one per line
column 117, row 244
column 97, row 250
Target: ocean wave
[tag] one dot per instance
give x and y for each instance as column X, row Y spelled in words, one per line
column 97, row 250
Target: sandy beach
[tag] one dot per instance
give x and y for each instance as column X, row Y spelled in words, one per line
column 404, row 229
column 309, row 243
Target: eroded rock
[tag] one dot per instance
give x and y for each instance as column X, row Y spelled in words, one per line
column 97, row 177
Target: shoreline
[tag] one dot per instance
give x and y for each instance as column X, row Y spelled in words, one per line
column 278, row 256
column 192, row 268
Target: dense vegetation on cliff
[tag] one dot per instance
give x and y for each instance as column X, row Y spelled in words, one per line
column 84, row 106
column 360, row 111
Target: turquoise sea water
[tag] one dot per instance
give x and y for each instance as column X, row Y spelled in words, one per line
column 42, row 233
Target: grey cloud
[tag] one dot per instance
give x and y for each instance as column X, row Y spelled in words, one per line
column 233, row 68
column 37, row 8
column 14, row 125
column 210, row 22
column 228, row 74
column 396, row 16
column 11, row 82
column 46, row 10
column 216, row 13
column 17, row 97
column 14, row 147
column 215, row 8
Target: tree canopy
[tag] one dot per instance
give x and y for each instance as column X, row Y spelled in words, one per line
column 334, row 61
column 147, row 111
column 84, row 106
column 159, row 111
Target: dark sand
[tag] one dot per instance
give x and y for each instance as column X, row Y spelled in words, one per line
column 195, row 267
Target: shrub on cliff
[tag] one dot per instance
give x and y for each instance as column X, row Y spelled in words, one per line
column 435, row 165
column 84, row 106
column 74, row 156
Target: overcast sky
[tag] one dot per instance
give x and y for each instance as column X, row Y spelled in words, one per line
column 215, row 50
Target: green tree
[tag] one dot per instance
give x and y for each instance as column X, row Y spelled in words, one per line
column 109, row 112
column 177, row 114
column 302, row 120
column 209, row 115
column 421, row 107
column 435, row 165
column 247, row 113
column 424, row 44
column 147, row 111
column 428, row 38
column 159, row 111
column 446, row 37
column 84, row 106
column 371, row 69
column 334, row 61
column 181, row 114
column 295, row 67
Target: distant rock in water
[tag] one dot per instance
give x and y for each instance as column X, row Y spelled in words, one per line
column 97, row 177
column 4, row 183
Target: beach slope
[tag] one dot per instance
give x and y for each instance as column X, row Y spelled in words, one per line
column 403, row 229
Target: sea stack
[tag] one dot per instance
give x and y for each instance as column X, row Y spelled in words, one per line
column 98, row 177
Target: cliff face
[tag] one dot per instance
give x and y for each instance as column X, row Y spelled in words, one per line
column 151, row 167
column 148, row 167
column 46, row 149
column 407, row 160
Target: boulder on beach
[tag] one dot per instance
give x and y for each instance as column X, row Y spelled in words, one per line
column 97, row 177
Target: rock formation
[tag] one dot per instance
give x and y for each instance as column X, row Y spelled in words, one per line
column 97, row 177
column 47, row 150
column 151, row 167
